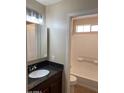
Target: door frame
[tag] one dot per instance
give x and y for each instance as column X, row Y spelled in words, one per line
column 68, row 42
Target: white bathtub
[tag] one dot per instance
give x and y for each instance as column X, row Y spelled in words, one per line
column 86, row 73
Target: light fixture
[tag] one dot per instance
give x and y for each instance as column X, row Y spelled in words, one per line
column 33, row 16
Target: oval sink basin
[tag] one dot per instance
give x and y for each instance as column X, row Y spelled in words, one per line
column 39, row 73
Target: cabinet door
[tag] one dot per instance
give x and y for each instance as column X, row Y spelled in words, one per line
column 56, row 87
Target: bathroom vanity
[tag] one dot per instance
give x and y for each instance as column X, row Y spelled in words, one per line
column 42, row 76
column 51, row 83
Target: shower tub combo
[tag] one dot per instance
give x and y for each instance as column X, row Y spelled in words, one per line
column 84, row 74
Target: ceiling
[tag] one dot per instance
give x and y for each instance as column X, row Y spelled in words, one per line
column 48, row 2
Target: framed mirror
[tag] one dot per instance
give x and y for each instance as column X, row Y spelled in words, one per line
column 36, row 37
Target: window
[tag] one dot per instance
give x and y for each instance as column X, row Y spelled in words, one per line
column 87, row 28
column 79, row 28
column 83, row 28
column 88, row 23
column 94, row 28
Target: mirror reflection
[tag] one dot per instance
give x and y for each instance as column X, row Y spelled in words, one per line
column 36, row 41
column 36, row 36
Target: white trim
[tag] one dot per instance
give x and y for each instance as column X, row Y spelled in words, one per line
column 68, row 42
column 86, row 16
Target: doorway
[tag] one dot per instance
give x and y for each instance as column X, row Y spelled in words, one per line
column 68, row 42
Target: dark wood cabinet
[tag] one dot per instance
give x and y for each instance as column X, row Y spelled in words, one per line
column 56, row 87
column 46, row 90
column 51, row 85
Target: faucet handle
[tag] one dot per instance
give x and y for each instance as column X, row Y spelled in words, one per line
column 35, row 67
column 32, row 68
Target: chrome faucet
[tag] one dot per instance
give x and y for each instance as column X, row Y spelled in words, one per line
column 32, row 68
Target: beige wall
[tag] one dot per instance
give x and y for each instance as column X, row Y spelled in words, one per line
column 56, row 19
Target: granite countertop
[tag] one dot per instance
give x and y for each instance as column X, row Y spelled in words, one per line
column 54, row 68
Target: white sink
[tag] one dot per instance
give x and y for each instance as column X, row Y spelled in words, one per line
column 39, row 73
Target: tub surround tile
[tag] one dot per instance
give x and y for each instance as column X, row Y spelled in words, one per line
column 85, row 70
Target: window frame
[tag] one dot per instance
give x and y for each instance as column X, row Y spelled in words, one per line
column 75, row 32
column 74, row 26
